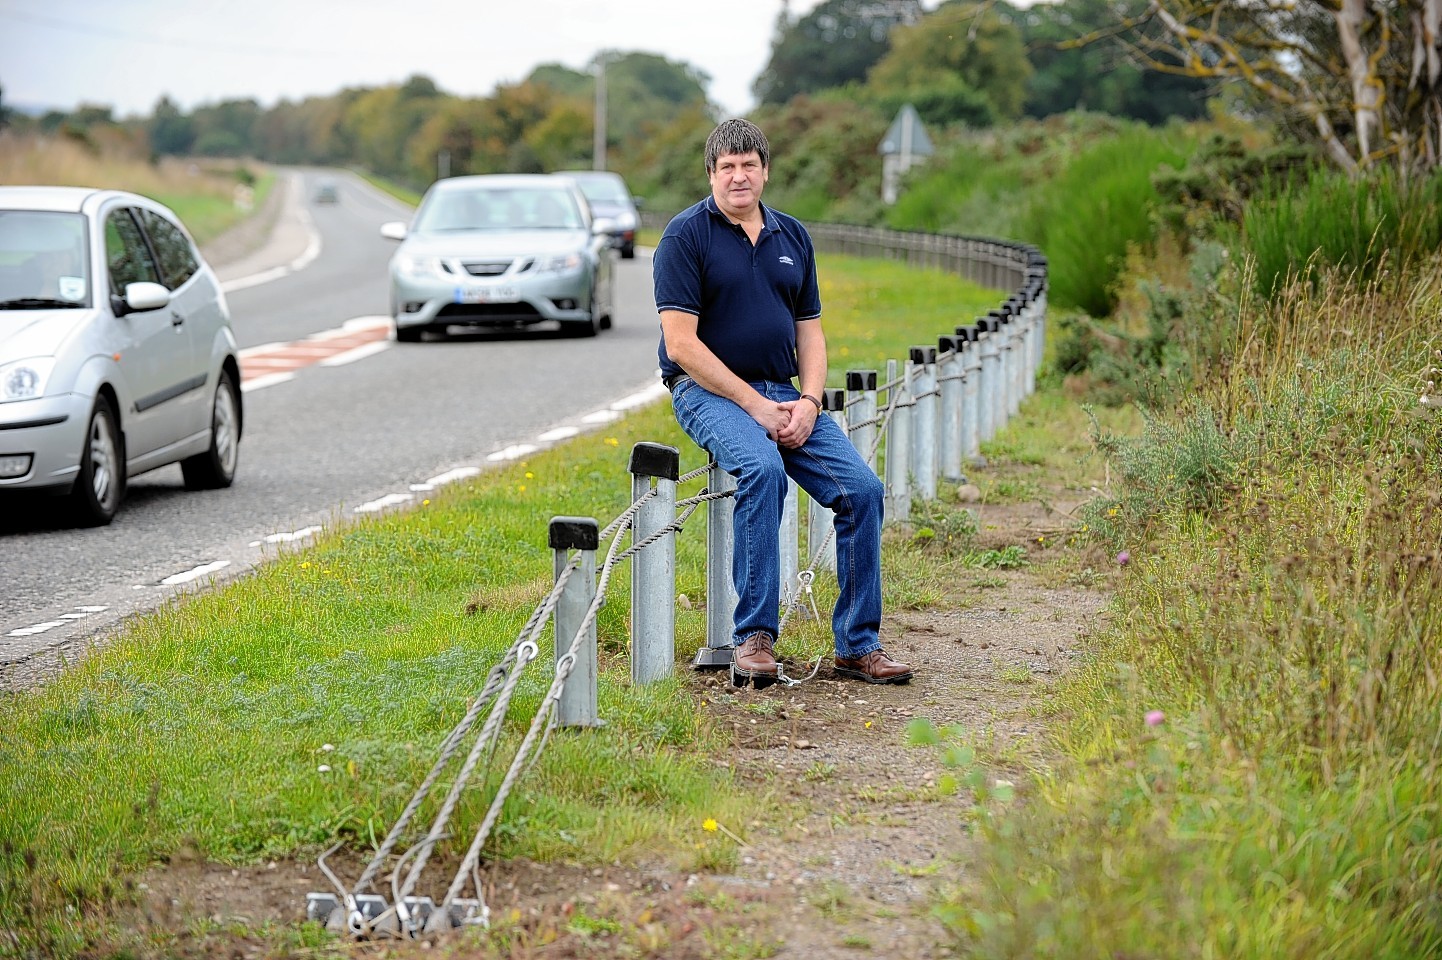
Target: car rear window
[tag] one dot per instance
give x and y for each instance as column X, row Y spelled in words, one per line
column 177, row 261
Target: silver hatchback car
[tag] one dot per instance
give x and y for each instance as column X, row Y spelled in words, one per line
column 501, row 250
column 116, row 349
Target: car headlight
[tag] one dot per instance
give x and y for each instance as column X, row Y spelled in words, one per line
column 25, row 379
column 570, row 261
column 408, row 266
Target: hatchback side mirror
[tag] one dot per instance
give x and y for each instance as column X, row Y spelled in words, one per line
column 602, row 225
column 394, row 230
column 140, row 297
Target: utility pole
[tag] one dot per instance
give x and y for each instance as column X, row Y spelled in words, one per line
column 598, row 147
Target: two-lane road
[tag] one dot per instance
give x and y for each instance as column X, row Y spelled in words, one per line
column 351, row 421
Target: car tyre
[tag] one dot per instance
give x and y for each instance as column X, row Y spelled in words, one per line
column 628, row 252
column 215, row 468
column 409, row 334
column 100, row 486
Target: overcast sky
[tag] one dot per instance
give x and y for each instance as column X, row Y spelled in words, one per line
column 128, row 53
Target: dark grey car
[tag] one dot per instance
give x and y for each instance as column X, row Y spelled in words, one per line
column 610, row 198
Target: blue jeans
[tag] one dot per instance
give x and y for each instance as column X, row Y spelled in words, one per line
column 831, row 472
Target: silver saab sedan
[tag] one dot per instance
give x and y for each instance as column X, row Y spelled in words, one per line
column 116, row 350
column 501, row 250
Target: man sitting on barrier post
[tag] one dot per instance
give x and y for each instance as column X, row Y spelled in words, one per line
column 740, row 310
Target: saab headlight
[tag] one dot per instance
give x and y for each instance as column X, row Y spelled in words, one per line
column 571, row 261
column 25, row 379
column 409, row 266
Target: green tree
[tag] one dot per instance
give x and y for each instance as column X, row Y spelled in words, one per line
column 1079, row 65
column 225, row 129
column 169, row 130
column 833, row 45
column 956, row 59
column 1361, row 78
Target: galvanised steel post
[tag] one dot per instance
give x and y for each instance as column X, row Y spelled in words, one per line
column 1037, row 274
column 949, row 382
column 1028, row 342
column 1039, row 284
column 861, row 412
column 721, row 594
column 1014, row 359
column 1029, row 319
column 925, row 422
column 577, row 704
column 819, row 520
column 653, row 568
column 898, row 445
column 971, row 395
column 988, row 416
column 790, row 536
column 1001, row 331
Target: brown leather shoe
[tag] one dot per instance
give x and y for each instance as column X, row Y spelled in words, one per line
column 754, row 658
column 873, row 667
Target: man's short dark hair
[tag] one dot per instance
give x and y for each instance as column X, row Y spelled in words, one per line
column 736, row 136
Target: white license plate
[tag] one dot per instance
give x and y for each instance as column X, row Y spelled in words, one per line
column 485, row 294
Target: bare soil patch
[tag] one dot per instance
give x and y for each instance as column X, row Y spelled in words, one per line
column 859, row 873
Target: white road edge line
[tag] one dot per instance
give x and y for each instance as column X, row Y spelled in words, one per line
column 312, row 250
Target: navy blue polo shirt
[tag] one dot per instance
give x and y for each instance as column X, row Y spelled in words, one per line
column 746, row 298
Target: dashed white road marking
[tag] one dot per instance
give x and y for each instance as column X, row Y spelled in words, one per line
column 288, row 537
column 514, row 452
column 194, row 573
column 79, row 613
column 388, row 500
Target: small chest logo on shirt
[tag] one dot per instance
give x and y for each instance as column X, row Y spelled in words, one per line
column 788, row 261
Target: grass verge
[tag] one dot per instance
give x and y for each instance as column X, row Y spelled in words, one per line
column 203, row 727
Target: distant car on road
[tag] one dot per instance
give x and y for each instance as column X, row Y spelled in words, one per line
column 326, row 192
column 611, row 198
column 116, row 349
column 501, row 250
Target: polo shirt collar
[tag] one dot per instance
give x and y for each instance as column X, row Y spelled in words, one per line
column 716, row 210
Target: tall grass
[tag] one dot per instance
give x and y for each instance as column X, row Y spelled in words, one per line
column 203, row 195
column 1282, row 618
column 1326, row 218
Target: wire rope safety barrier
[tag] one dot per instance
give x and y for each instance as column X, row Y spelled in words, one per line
column 923, row 424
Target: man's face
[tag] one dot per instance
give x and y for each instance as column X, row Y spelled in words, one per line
column 737, row 182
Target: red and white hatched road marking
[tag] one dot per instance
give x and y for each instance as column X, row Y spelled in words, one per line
column 273, row 363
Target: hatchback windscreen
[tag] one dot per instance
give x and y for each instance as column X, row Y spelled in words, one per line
column 496, row 209
column 43, row 261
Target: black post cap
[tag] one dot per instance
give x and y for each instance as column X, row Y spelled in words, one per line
column 946, row 342
column 967, row 333
column 833, row 398
column 923, row 354
column 861, row 380
column 655, row 460
column 574, row 533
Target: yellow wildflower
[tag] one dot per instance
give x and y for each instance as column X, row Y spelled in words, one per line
column 710, row 825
